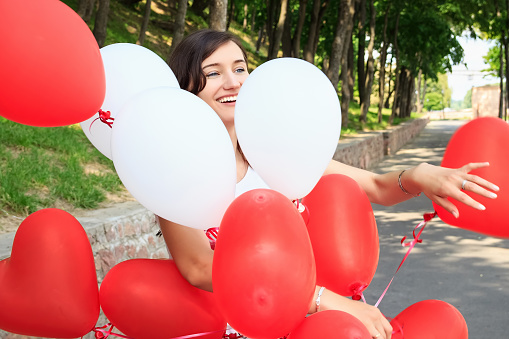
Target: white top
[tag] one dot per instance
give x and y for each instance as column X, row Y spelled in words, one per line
column 250, row 181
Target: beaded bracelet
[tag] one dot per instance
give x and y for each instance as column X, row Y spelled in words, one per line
column 402, row 188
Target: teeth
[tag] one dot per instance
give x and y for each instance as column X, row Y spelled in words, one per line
column 228, row 99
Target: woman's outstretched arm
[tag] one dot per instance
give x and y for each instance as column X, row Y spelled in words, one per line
column 436, row 182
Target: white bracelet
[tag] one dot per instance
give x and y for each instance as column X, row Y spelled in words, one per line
column 317, row 302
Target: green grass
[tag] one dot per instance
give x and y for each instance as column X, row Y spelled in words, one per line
column 354, row 125
column 40, row 166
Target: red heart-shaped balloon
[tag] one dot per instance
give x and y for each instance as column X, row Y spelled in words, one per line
column 342, row 229
column 481, row 140
column 149, row 298
column 48, row 287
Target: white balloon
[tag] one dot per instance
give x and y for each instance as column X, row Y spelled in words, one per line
column 288, row 122
column 175, row 156
column 129, row 69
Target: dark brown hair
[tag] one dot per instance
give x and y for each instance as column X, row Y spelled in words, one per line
column 186, row 60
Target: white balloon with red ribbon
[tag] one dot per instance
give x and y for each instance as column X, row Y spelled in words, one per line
column 175, row 156
column 130, row 69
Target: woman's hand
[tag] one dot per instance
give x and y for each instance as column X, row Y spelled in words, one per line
column 377, row 325
column 438, row 183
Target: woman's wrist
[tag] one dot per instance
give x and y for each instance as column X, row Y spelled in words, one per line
column 409, row 180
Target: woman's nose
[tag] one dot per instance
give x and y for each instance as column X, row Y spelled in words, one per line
column 231, row 81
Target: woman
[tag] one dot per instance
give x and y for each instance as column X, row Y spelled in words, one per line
column 213, row 66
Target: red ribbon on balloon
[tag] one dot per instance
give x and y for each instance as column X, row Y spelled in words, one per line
column 105, row 117
column 427, row 217
column 102, row 333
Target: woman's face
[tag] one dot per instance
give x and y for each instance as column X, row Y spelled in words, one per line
column 225, row 71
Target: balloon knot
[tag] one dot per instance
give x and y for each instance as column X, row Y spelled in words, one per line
column 357, row 291
column 104, row 117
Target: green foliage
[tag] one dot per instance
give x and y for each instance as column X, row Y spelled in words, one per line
column 467, row 101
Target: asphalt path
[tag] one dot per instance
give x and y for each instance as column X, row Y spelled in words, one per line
column 466, row 269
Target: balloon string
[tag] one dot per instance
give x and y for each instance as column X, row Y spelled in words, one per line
column 105, row 117
column 427, row 217
column 102, row 333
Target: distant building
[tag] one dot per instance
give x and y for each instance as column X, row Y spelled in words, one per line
column 485, row 100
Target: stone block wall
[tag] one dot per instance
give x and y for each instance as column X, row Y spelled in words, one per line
column 365, row 150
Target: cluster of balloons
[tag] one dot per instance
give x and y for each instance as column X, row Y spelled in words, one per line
column 268, row 259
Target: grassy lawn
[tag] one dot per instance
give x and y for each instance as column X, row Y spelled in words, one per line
column 58, row 167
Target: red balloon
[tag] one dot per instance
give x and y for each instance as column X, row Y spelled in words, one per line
column 263, row 272
column 480, row 140
column 344, row 235
column 149, row 298
column 330, row 324
column 48, row 287
column 429, row 319
column 51, row 67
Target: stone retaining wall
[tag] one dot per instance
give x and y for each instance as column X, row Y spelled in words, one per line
column 365, row 150
column 128, row 231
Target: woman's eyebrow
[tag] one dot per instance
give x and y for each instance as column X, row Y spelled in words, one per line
column 217, row 63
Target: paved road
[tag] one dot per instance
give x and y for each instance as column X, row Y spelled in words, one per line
column 465, row 269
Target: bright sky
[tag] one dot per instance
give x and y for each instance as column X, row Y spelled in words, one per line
column 464, row 78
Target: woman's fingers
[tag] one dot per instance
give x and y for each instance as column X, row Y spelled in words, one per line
column 447, row 205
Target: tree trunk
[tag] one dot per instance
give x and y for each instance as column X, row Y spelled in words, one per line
column 261, row 38
column 344, row 28
column 351, row 69
column 409, row 94
column 361, row 75
column 269, row 25
column 144, row 24
column 218, row 10
column 180, row 25
column 287, row 33
column 370, row 67
column 298, row 30
column 278, row 34
column 244, row 22
column 253, row 19
column 86, row 9
column 383, row 61
column 419, row 94
column 309, row 48
column 101, row 22
column 395, row 108
column 231, row 13
column 345, row 90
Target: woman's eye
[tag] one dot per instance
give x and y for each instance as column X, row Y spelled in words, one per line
column 212, row 74
column 240, row 70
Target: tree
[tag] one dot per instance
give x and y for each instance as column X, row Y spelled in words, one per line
column 370, row 67
column 144, row 24
column 383, row 61
column 101, row 22
column 344, row 27
column 86, row 9
column 278, row 34
column 218, row 14
column 180, row 24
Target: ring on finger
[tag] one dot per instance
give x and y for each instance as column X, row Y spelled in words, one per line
column 463, row 184
column 377, row 335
